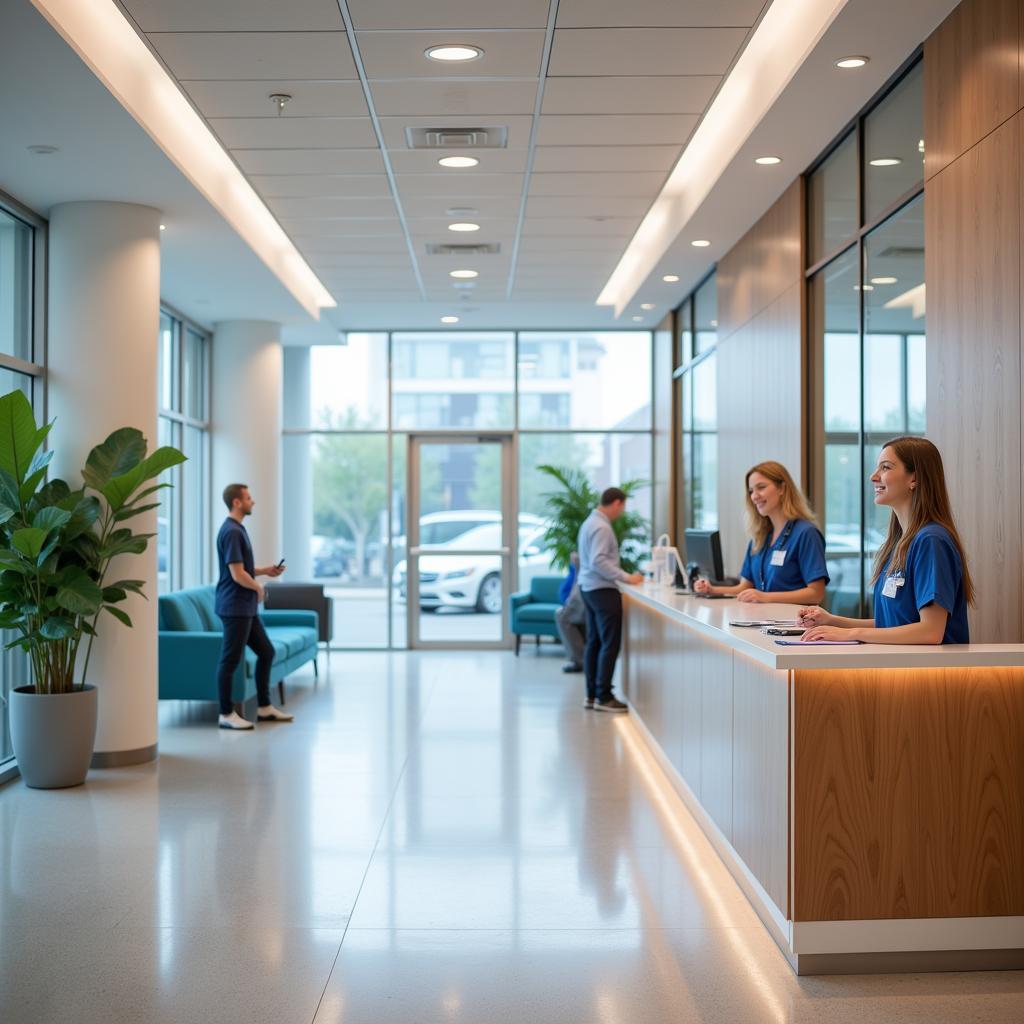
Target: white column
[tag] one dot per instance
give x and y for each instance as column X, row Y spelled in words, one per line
column 297, row 467
column 103, row 313
column 246, row 426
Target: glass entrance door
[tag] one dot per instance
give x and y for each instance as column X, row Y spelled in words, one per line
column 461, row 543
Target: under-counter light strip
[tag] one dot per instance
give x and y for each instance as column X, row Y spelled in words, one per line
column 104, row 39
column 787, row 33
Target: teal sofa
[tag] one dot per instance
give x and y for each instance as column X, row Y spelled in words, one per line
column 532, row 612
column 190, row 642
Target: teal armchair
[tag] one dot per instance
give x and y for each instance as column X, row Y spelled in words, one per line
column 532, row 612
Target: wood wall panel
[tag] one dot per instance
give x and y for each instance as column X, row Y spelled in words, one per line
column 908, row 794
column 763, row 264
column 973, row 270
column 760, row 774
column 760, row 409
column 716, row 736
column 972, row 78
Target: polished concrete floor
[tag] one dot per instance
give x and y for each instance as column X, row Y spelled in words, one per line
column 437, row 838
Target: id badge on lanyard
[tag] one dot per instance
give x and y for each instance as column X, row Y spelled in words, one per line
column 892, row 583
column 778, row 556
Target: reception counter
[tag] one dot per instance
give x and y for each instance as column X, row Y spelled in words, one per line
column 869, row 800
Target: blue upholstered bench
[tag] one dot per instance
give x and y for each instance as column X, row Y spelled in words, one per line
column 190, row 642
column 532, row 612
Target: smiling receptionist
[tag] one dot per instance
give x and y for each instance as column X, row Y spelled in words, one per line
column 922, row 586
column 785, row 560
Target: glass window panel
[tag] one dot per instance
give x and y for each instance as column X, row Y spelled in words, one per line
column 195, row 501
column 705, row 315
column 705, row 481
column 167, row 520
column 685, row 324
column 194, row 375
column 15, row 287
column 452, row 380
column 894, row 145
column 585, row 381
column 832, row 200
column 168, row 364
column 399, row 528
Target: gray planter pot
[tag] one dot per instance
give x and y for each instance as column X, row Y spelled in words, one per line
column 53, row 736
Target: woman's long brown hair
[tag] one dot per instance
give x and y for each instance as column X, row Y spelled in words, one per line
column 794, row 504
column 929, row 503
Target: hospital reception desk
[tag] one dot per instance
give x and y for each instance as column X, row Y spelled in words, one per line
column 869, row 800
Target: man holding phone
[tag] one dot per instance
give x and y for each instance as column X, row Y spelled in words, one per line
column 239, row 595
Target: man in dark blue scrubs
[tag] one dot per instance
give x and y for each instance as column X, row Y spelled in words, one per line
column 237, row 603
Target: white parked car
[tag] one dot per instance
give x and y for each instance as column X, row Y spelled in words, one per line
column 474, row 581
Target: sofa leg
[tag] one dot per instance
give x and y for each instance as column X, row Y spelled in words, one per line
column 537, row 638
column 519, row 640
column 280, row 690
column 316, row 669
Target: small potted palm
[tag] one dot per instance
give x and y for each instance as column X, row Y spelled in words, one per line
column 57, row 546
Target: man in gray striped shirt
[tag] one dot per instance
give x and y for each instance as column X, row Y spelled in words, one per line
column 600, row 575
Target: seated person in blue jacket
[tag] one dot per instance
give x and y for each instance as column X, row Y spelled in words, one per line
column 571, row 618
column 922, row 585
column 785, row 560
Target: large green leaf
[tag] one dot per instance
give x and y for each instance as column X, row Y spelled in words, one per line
column 83, row 515
column 130, row 511
column 57, row 627
column 122, row 451
column 124, row 542
column 50, row 518
column 29, row 541
column 133, row 586
column 19, row 436
column 54, row 492
column 119, row 615
column 78, row 592
column 118, row 491
column 10, row 492
column 32, row 481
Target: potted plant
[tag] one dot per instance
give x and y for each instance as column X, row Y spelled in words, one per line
column 566, row 509
column 56, row 549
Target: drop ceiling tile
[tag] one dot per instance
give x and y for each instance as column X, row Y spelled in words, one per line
column 514, row 54
column 551, row 244
column 555, row 227
column 435, row 229
column 295, row 133
column 487, row 207
column 656, row 94
column 338, row 261
column 492, row 161
column 325, row 227
column 225, row 15
column 393, row 129
column 460, row 184
column 352, row 244
column 615, row 129
column 310, row 161
column 421, row 97
column 590, row 206
column 598, row 256
column 638, row 183
column 604, row 158
column 252, row 99
column 261, row 56
column 448, row 14
column 355, row 208
column 644, row 51
column 397, row 279
column 281, row 186
column 612, row 13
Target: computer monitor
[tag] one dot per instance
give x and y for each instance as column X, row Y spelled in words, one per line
column 704, row 547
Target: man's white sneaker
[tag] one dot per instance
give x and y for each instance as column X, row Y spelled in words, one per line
column 234, row 721
column 272, row 714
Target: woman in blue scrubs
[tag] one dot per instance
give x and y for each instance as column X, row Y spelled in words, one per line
column 785, row 560
column 922, row 585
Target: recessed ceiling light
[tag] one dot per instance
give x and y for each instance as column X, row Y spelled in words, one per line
column 43, row 150
column 700, row 243
column 463, row 273
column 454, row 52
column 883, row 280
column 670, row 278
column 449, row 319
column 885, row 161
column 163, row 227
column 464, row 226
column 768, row 161
column 852, row 62
column 647, row 305
column 458, row 161
column 637, row 319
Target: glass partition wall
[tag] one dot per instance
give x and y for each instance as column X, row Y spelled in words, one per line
column 866, row 309
column 354, row 411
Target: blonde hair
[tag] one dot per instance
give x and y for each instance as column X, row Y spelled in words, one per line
column 794, row 504
column 929, row 503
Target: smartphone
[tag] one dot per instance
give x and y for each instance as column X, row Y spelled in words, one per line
column 279, row 564
column 783, row 631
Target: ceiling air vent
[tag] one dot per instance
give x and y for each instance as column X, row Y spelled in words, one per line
column 493, row 137
column 451, row 249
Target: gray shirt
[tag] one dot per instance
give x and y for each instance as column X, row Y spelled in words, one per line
column 599, row 554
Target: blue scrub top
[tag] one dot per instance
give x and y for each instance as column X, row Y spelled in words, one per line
column 803, row 547
column 934, row 572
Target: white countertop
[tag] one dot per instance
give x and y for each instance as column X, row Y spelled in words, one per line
column 713, row 618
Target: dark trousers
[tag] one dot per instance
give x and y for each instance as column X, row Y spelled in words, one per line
column 604, row 638
column 241, row 631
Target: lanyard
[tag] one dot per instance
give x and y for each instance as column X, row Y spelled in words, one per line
column 769, row 548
